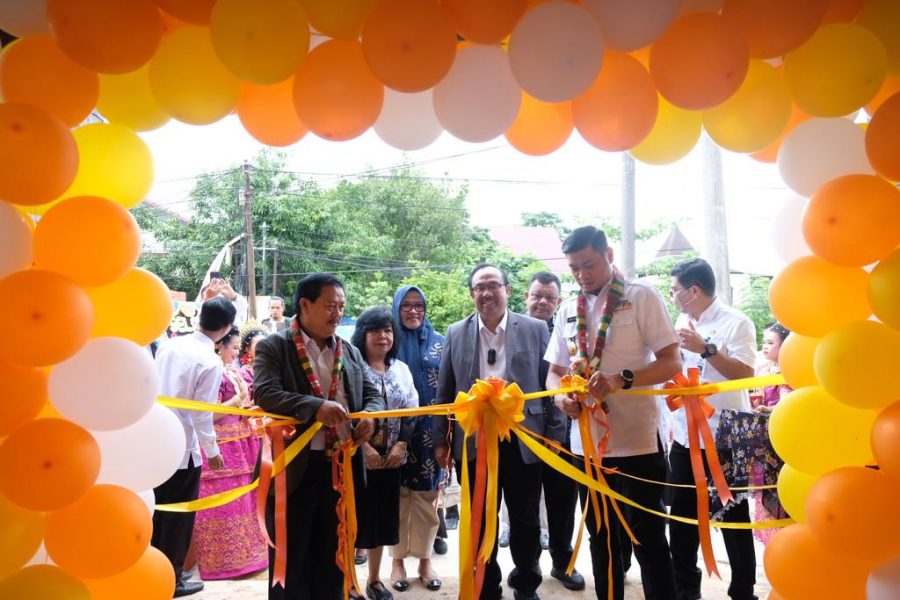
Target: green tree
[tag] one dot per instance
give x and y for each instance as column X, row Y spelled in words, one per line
column 657, row 273
column 755, row 304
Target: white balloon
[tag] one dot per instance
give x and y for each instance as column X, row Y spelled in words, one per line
column 149, row 499
column 629, row 25
column 555, row 51
column 407, row 121
column 109, row 384
column 479, row 98
column 819, row 150
column 145, row 454
column 15, row 241
column 787, row 233
column 24, row 17
column 884, row 581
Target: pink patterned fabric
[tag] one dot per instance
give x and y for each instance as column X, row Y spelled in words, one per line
column 228, row 540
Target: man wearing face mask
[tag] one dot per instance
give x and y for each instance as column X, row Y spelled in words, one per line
column 721, row 342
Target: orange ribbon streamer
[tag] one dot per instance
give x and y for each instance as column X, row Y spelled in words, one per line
column 342, row 481
column 697, row 411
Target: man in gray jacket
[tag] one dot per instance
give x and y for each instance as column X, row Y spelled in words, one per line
column 495, row 342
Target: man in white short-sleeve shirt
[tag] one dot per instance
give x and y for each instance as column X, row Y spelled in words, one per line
column 641, row 351
column 721, row 342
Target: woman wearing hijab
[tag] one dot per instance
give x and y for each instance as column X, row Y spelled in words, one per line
column 420, row 347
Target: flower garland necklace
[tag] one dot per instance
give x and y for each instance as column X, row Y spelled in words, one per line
column 616, row 288
column 311, row 376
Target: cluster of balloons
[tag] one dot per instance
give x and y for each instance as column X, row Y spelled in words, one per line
column 769, row 78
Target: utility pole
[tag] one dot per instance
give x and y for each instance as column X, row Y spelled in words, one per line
column 275, row 268
column 628, row 211
column 265, row 229
column 714, row 224
column 248, row 230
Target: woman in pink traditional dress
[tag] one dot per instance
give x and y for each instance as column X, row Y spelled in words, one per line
column 228, row 539
column 250, row 334
column 768, row 507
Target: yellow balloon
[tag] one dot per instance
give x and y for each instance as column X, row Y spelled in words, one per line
column 796, row 360
column 755, row 115
column 189, row 81
column 793, row 487
column 40, row 582
column 127, row 100
column 857, row 364
column 838, row 70
column 139, row 292
column 21, row 532
column 814, row 433
column 115, row 164
column 884, row 290
column 262, row 42
column 675, row 132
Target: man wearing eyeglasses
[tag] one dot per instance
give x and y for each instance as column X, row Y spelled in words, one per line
column 493, row 342
column 720, row 341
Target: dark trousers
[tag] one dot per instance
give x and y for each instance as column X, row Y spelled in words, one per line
column 560, row 496
column 312, row 542
column 685, row 539
column 172, row 530
column 652, row 552
column 520, row 485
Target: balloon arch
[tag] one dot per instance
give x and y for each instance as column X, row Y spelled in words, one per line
column 82, row 437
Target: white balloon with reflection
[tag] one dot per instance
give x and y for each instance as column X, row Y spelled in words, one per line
column 15, row 241
column 407, row 121
column 629, row 25
column 787, row 235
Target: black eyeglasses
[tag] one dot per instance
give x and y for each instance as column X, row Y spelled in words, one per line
column 492, row 356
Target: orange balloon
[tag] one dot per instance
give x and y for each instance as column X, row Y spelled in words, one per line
column 101, row 534
column 883, row 139
column 882, row 17
column 150, row 578
column 700, row 61
column 139, row 292
column 769, row 154
column 842, row 11
column 39, row 582
column 197, row 12
column 108, row 36
column 342, row 20
column 485, row 22
column 46, row 318
column 840, row 296
column 796, row 360
column 24, row 396
column 267, row 112
column 890, row 87
column 799, row 566
column 772, row 27
column 834, row 508
column 90, row 240
column 335, row 93
column 409, row 44
column 21, row 532
column 48, row 464
column 853, row 220
column 35, row 71
column 884, row 289
column 38, row 154
column 886, row 439
column 540, row 127
column 620, row 107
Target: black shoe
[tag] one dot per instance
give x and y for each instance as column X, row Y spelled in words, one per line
column 525, row 595
column 440, row 546
column 575, row 581
column 692, row 595
column 503, row 541
column 377, row 591
column 186, row 588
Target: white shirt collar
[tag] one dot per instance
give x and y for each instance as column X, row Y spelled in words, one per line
column 203, row 338
column 500, row 328
column 711, row 311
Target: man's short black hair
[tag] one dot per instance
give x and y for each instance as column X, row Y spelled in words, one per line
column 545, row 278
column 279, row 298
column 485, row 265
column 216, row 313
column 583, row 237
column 373, row 320
column 310, row 287
column 695, row 271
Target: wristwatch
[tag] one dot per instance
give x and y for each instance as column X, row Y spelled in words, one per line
column 710, row 350
column 627, row 378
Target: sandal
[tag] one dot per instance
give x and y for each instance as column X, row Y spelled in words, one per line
column 377, row 591
column 433, row 584
column 401, row 585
